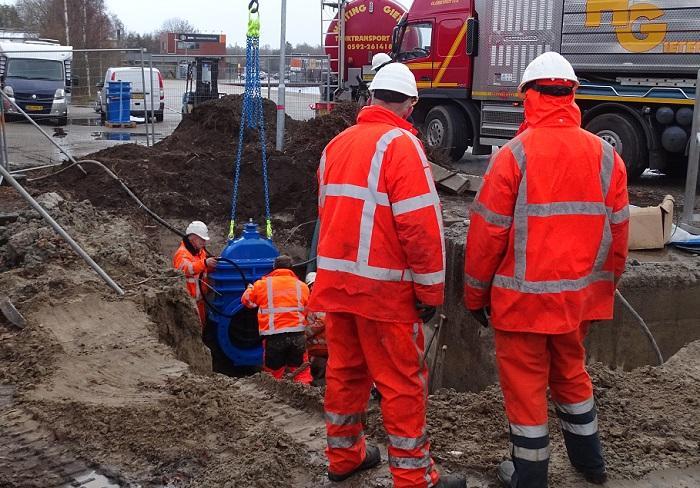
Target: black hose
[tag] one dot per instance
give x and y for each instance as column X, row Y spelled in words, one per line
column 128, row 190
column 204, row 295
column 643, row 326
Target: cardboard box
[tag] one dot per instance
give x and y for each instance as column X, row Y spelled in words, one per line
column 650, row 227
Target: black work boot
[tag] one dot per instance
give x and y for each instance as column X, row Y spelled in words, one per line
column 505, row 472
column 372, row 459
column 451, row 481
column 595, row 477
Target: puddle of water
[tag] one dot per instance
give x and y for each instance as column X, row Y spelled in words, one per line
column 117, row 136
column 88, row 122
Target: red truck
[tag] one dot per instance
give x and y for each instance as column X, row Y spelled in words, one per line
column 637, row 61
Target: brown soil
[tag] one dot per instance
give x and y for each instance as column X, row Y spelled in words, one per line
column 190, row 173
column 110, row 382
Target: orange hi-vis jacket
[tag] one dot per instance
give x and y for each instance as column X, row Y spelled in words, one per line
column 192, row 265
column 380, row 244
column 548, row 232
column 281, row 299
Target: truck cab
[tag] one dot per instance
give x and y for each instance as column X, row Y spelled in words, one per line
column 36, row 75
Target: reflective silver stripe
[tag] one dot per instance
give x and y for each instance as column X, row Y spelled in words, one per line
column 580, row 429
column 620, row 216
column 321, row 177
column 433, row 191
column 409, row 462
column 529, row 431
column 523, row 210
column 436, row 278
column 492, row 217
column 518, row 150
column 300, row 307
column 606, row 167
column 187, row 267
column 532, row 455
column 554, row 286
column 197, row 291
column 566, row 208
column 370, row 205
column 520, row 218
column 281, row 310
column 355, row 191
column 341, row 419
column 576, row 408
column 364, row 270
column 298, row 328
column 414, row 203
column 407, row 443
column 474, row 283
column 270, row 303
column 335, row 442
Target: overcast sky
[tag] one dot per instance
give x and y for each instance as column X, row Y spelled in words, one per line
column 226, row 16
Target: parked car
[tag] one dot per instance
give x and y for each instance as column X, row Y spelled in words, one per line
column 36, row 75
column 140, row 98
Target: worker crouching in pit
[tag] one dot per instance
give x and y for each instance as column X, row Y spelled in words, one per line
column 281, row 299
column 191, row 258
column 546, row 247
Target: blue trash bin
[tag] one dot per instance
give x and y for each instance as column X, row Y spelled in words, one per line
column 119, row 102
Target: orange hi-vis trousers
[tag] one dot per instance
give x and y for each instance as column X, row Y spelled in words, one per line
column 362, row 351
column 528, row 364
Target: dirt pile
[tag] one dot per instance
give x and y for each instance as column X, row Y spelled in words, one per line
column 34, row 259
column 190, row 173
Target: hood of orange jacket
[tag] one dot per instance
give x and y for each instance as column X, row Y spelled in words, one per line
column 549, row 111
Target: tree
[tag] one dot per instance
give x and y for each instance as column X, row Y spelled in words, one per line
column 9, row 17
column 178, row 25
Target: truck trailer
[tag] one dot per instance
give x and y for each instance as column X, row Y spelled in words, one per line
column 637, row 61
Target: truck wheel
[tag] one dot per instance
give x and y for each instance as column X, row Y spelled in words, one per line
column 445, row 128
column 628, row 139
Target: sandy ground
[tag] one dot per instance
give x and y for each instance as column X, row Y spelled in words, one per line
column 97, row 385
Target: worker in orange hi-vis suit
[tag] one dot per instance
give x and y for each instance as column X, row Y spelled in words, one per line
column 191, row 258
column 381, row 259
column 281, row 299
column 546, row 246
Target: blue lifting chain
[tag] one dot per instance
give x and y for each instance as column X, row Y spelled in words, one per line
column 252, row 116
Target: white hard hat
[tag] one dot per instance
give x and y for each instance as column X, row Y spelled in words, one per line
column 310, row 278
column 548, row 66
column 395, row 77
column 379, row 60
column 198, row 228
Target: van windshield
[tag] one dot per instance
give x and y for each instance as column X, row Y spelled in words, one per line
column 35, row 69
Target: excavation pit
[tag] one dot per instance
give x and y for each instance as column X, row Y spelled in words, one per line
column 663, row 286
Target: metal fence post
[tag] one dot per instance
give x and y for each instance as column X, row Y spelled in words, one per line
column 143, row 81
column 59, row 230
column 689, row 220
column 269, row 85
column 279, row 145
column 153, row 112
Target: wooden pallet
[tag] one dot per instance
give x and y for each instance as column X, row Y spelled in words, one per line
column 120, row 125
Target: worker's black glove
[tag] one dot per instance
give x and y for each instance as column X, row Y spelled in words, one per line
column 481, row 316
column 425, row 312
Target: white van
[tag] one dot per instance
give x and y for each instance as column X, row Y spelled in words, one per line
column 140, row 98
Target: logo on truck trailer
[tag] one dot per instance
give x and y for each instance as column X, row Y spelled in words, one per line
column 638, row 26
